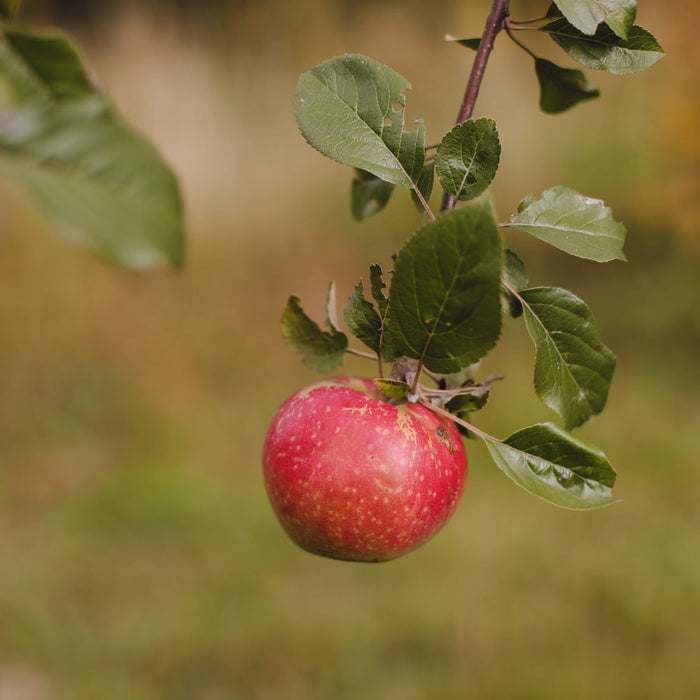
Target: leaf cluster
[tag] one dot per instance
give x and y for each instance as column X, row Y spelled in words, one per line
column 453, row 284
column 102, row 185
column 597, row 34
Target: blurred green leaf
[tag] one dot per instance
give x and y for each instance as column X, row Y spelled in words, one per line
column 514, row 271
column 9, row 7
column 573, row 223
column 467, row 158
column 469, row 43
column 332, row 309
column 362, row 319
column 604, row 50
column 573, row 369
column 369, row 194
column 515, row 275
column 54, row 60
column 102, row 185
column 444, row 303
column 351, row 109
column 586, row 15
column 551, row 464
column 562, row 88
column 322, row 351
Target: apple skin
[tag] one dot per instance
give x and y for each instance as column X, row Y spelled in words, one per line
column 353, row 477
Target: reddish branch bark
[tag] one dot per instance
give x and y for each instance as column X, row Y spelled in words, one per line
column 494, row 24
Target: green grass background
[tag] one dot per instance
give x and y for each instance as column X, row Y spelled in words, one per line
column 139, row 559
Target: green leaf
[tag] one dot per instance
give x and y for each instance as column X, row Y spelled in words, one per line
column 467, row 158
column 444, row 306
column 393, row 388
column 369, row 194
column 378, row 286
column 351, row 109
column 526, row 202
column 514, row 272
column 362, row 319
column 515, row 276
column 551, row 464
column 54, row 60
column 573, row 369
column 605, row 50
column 586, row 15
column 469, row 43
column 103, row 186
column 424, row 186
column 388, row 349
column 573, row 223
column 322, row 351
column 462, row 403
column 562, row 88
column 9, row 7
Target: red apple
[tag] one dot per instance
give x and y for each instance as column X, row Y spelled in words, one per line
column 351, row 476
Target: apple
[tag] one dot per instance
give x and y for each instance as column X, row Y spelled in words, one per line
column 351, row 476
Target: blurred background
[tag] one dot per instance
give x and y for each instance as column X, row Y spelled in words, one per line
column 138, row 556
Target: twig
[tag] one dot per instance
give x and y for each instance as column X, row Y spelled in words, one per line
column 494, row 24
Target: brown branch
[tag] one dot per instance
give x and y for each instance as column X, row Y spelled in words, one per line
column 494, row 24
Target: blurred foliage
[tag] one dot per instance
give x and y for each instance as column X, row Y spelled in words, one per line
column 138, row 556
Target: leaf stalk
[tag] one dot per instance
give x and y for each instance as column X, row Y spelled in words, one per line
column 508, row 25
column 451, row 416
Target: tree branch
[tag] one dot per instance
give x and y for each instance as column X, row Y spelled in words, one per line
column 494, row 24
